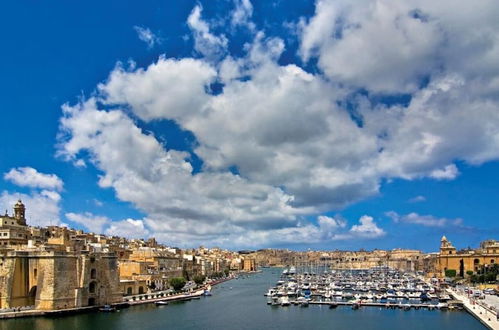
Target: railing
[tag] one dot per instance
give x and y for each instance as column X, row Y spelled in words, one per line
column 147, row 296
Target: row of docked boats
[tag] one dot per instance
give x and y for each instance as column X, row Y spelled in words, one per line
column 378, row 285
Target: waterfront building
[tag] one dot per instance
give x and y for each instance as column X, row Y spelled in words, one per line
column 50, row 280
column 465, row 262
column 148, row 269
column 13, row 229
column 248, row 265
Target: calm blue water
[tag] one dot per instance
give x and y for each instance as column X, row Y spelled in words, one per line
column 240, row 304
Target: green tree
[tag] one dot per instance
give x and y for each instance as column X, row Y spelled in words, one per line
column 199, row 279
column 177, row 283
column 490, row 277
column 469, row 272
column 450, row 273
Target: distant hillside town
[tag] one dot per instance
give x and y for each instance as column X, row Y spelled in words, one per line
column 57, row 268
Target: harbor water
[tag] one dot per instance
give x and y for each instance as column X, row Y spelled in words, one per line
column 240, row 304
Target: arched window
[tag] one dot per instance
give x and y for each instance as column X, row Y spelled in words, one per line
column 93, row 274
column 91, row 287
column 492, row 261
column 141, row 290
column 129, row 290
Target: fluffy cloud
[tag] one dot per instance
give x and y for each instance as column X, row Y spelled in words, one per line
column 327, row 230
column 205, row 42
column 303, row 143
column 241, row 15
column 142, row 172
column 128, row 228
column 92, row 222
column 42, row 203
column 367, row 228
column 30, row 177
column 147, row 36
column 377, row 45
column 424, row 220
column 391, row 48
column 176, row 87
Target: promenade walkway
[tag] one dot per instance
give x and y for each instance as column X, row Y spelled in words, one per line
column 486, row 315
column 145, row 298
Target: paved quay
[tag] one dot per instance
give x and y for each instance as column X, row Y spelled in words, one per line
column 128, row 301
column 484, row 313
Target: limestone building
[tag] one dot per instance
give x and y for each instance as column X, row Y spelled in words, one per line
column 466, row 261
column 50, row 280
column 248, row 265
column 13, row 229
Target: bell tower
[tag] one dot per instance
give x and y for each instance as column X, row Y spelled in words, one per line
column 20, row 213
column 446, row 247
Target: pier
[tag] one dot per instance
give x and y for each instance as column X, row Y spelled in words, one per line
column 484, row 314
column 375, row 304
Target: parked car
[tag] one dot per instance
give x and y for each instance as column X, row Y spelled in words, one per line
column 490, row 292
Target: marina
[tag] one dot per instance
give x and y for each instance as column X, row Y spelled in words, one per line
column 377, row 287
column 240, row 304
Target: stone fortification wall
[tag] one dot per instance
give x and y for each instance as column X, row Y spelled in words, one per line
column 58, row 280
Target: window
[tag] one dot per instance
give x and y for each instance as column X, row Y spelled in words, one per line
column 492, row 261
column 93, row 273
column 91, row 287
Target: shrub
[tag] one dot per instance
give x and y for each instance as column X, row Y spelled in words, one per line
column 450, row 273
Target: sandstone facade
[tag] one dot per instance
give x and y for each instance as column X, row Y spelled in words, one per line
column 50, row 280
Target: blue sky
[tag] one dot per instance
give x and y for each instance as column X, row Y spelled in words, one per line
column 328, row 125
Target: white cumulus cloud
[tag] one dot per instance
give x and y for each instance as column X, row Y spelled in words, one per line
column 94, row 223
column 30, row 177
column 300, row 148
column 206, row 43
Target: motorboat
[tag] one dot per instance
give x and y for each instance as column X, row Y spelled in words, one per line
column 107, row 309
column 284, row 300
column 161, row 303
column 441, row 305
